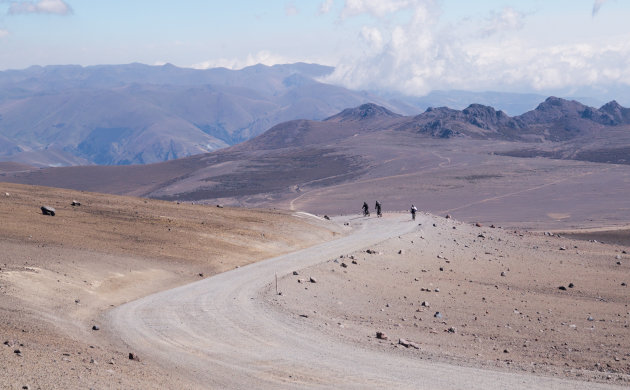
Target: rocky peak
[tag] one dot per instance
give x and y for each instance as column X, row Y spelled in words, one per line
column 366, row 111
column 617, row 113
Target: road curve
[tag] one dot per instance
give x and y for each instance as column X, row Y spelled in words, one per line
column 219, row 333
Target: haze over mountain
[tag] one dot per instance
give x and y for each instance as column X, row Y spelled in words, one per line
column 136, row 114
column 130, row 114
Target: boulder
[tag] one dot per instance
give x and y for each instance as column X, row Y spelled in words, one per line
column 47, row 210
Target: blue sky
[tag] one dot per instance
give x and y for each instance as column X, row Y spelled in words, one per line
column 413, row 46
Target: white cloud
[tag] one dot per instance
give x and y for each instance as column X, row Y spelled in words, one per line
column 262, row 57
column 59, row 7
column 325, row 7
column 506, row 20
column 597, row 5
column 421, row 55
column 372, row 36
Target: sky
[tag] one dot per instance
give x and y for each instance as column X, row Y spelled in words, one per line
column 409, row 46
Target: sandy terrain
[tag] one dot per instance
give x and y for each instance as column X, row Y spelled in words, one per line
column 59, row 274
column 497, row 293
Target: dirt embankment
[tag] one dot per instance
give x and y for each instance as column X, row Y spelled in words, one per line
column 58, row 274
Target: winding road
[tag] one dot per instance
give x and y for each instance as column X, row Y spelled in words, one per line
column 220, row 334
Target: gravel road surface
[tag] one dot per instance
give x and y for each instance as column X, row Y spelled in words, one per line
column 219, row 333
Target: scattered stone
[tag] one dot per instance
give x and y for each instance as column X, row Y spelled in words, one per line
column 624, row 252
column 434, row 225
column 571, row 285
column 563, row 248
column 95, row 327
column 75, row 203
column 437, row 314
column 201, row 274
column 448, row 216
column 304, row 315
column 47, row 210
column 562, row 288
column 400, row 251
column 295, row 273
column 77, row 301
column 381, row 336
column 326, row 217
column 478, row 224
column 441, row 268
column 371, row 251
column 220, row 206
column 480, row 235
column 492, row 226
column 312, row 280
column 26, row 387
column 425, row 304
column 408, row 344
column 503, row 273
column 590, row 318
column 452, row 330
column 618, row 257
column 506, row 351
column 344, row 265
column 619, row 263
column 623, row 284
column 17, row 352
column 354, row 262
column 437, row 290
column 133, row 356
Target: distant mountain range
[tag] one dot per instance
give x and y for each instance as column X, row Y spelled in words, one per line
column 554, row 120
column 138, row 114
column 368, row 140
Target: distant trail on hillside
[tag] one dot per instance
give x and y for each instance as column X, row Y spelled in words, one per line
column 220, row 333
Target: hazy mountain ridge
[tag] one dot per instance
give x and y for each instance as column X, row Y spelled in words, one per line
column 129, row 114
column 135, row 113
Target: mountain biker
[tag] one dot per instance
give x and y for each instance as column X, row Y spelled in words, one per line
column 377, row 206
column 413, row 212
column 366, row 210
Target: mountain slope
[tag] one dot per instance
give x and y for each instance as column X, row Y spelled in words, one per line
column 130, row 114
column 366, row 140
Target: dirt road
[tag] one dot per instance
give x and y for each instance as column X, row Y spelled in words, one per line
column 220, row 334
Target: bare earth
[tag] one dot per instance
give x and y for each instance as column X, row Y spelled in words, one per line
column 60, row 276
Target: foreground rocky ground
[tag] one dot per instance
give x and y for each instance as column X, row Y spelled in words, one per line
column 59, row 274
column 477, row 295
column 455, row 292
